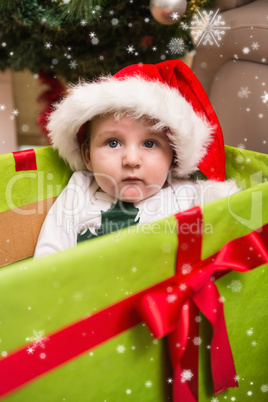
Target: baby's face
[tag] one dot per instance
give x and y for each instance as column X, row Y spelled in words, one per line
column 129, row 160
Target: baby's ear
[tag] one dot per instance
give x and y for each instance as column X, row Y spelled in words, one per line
column 85, row 152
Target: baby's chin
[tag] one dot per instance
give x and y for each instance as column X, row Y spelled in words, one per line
column 134, row 194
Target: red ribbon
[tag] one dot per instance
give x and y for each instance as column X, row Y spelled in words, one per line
column 25, row 160
column 169, row 307
column 173, row 310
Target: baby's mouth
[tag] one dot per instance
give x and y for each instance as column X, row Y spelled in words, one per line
column 132, row 179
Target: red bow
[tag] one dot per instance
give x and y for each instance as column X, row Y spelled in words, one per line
column 173, row 309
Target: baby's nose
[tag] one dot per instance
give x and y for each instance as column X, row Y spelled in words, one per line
column 131, row 158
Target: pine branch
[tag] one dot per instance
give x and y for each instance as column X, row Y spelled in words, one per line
column 78, row 10
column 84, row 38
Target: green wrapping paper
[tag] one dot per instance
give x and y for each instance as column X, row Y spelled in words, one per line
column 245, row 307
column 58, row 290
column 18, row 188
column 26, row 196
column 40, row 297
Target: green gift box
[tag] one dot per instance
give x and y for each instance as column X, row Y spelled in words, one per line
column 39, row 298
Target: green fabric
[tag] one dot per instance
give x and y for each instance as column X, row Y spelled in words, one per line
column 22, row 188
column 117, row 217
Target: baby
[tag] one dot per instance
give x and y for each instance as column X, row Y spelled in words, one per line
column 133, row 140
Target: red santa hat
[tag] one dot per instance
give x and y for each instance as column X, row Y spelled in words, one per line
column 169, row 92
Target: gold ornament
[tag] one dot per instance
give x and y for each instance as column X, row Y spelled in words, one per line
column 168, row 12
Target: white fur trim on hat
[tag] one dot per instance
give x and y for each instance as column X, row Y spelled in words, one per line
column 191, row 133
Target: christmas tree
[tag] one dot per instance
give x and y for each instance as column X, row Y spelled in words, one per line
column 85, row 38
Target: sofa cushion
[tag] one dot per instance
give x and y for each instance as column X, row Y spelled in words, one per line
column 228, row 4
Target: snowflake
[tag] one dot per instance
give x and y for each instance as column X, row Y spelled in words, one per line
column 48, row 45
column 237, row 377
column 264, row 388
column 176, row 46
column 175, row 16
column 170, row 380
column 134, row 269
column 120, row 349
column 250, row 332
column 130, row 49
column 171, row 298
column 184, row 26
column 246, row 50
column 243, row 93
column 2, row 107
column 94, row 40
column 115, row 21
column 128, row 391
column 38, row 339
column 235, row 286
column 208, row 27
column 43, row 355
column 253, row 343
column 182, row 286
column 73, row 64
column 197, row 341
column 239, row 158
column 265, row 97
column 92, row 34
column 30, row 350
column 83, row 23
column 255, row 46
column 15, row 112
column 186, row 269
column 186, row 375
column 214, row 399
column 249, row 393
column 148, row 384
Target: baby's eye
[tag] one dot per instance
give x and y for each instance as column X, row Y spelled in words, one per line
column 113, row 144
column 149, row 144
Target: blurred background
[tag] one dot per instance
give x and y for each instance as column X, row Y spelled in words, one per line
column 47, row 45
